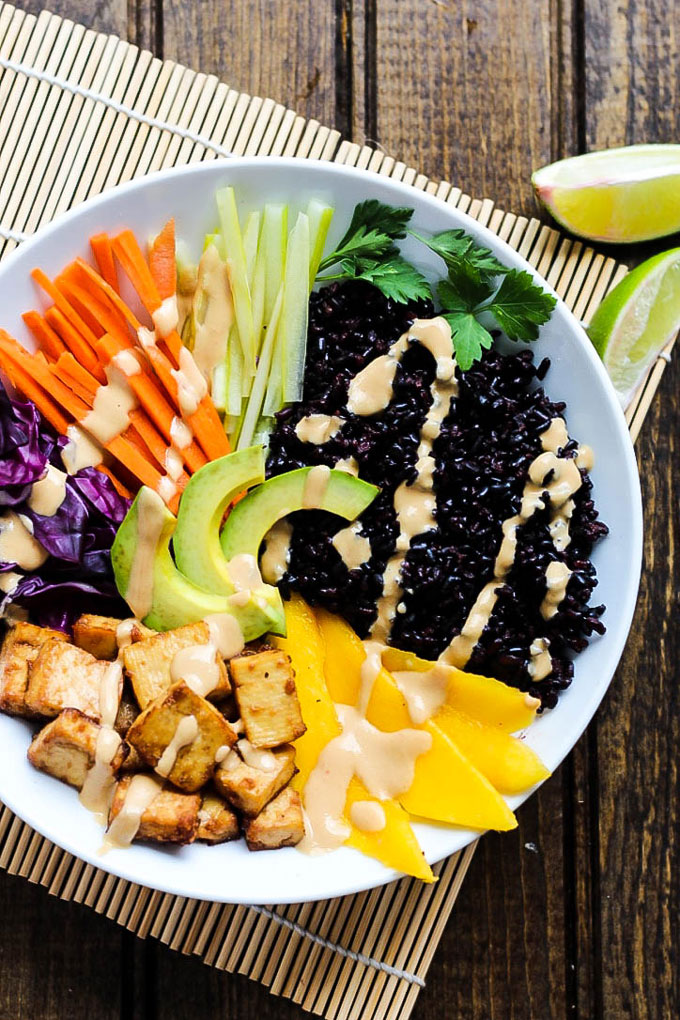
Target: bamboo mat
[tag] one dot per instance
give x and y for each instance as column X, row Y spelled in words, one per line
column 79, row 113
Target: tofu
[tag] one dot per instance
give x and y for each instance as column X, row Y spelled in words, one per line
column 248, row 789
column 66, row 748
column 63, row 676
column 158, row 728
column 133, row 760
column 217, row 823
column 279, row 824
column 148, row 662
column 264, row 685
column 97, row 635
column 172, row 817
column 20, row 648
column 128, row 710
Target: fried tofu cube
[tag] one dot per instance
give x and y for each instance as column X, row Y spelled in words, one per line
column 171, row 817
column 133, row 760
column 97, row 635
column 64, row 676
column 217, row 823
column 280, row 823
column 267, row 698
column 20, row 648
column 66, row 748
column 248, row 789
column 128, row 711
column 179, row 735
column 149, row 662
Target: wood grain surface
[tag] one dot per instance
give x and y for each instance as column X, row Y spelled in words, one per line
column 574, row 915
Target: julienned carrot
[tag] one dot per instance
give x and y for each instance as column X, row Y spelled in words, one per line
column 33, row 365
column 26, row 385
column 127, row 453
column 130, row 256
column 79, row 290
column 162, row 263
column 144, row 387
column 63, row 305
column 47, row 338
column 121, row 489
column 100, row 285
column 74, row 341
column 206, row 425
column 103, row 256
column 68, row 364
column 59, row 372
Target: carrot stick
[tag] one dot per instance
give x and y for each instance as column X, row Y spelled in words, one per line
column 68, row 364
column 30, row 389
column 130, row 256
column 127, row 453
column 80, row 291
column 97, row 283
column 59, row 372
column 48, row 339
column 207, row 427
column 103, row 254
column 63, row 305
column 74, row 341
column 33, row 365
column 121, row 489
column 162, row 265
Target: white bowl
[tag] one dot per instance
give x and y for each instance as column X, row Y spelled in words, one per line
column 229, row 873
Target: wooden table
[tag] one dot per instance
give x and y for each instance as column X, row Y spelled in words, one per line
column 575, row 913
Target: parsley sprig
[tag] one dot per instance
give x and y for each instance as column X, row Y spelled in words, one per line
column 478, row 287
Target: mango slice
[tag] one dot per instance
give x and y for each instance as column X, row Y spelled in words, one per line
column 446, row 787
column 395, row 845
column 482, row 697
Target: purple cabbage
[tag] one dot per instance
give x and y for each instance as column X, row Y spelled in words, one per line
column 77, row 576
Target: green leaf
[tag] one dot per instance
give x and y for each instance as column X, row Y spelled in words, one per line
column 520, row 306
column 395, row 277
column 469, row 337
column 375, row 216
column 462, row 294
column 461, row 253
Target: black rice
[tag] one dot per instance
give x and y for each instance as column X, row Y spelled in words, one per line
column 486, row 444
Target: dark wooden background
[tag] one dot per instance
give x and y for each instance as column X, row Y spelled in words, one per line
column 575, row 915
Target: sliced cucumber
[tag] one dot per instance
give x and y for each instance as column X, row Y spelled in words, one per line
column 293, row 329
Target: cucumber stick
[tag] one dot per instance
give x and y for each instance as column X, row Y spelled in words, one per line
column 293, row 327
column 320, row 216
column 238, row 273
column 262, row 377
column 273, row 242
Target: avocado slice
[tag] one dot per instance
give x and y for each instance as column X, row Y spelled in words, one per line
column 175, row 600
column 196, row 542
column 256, row 513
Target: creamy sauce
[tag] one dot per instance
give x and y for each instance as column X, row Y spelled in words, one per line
column 371, row 389
column 540, row 663
column 244, row 572
column 127, row 362
column 146, row 337
column 222, row 753
column 184, row 736
column 166, row 316
column 197, row 665
column 585, row 458
column 424, row 693
column 99, row 785
column 81, row 451
column 561, row 479
column 180, row 434
column 17, row 544
column 9, row 581
column 167, row 489
column 263, row 761
column 368, row 815
column 124, row 632
column 113, row 402
column 150, row 522
column 415, row 503
column 191, row 385
column 353, row 547
column 48, row 493
column 173, row 464
column 276, row 556
column 316, row 484
column 225, row 634
column 384, row 762
column 556, row 578
column 141, row 793
column 214, row 316
column 349, row 465
column 318, row 428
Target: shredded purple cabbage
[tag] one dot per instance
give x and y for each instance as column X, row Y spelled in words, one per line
column 77, row 576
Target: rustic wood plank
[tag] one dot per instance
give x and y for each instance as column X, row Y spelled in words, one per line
column 103, row 15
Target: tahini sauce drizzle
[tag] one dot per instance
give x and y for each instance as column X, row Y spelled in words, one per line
column 141, row 793
column 49, row 492
column 191, row 384
column 17, row 544
column 97, row 792
column 424, row 693
column 198, row 664
column 368, row 815
column 111, row 409
column 353, row 546
column 166, row 316
column 318, row 428
column 81, row 451
column 316, row 484
column 150, row 522
column 276, row 555
column 215, row 314
column 184, row 736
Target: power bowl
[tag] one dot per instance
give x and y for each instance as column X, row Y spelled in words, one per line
column 230, row 873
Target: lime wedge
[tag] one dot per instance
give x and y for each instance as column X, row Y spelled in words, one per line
column 636, row 321
column 620, row 195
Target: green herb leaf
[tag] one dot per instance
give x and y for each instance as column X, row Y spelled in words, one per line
column 462, row 254
column 520, row 306
column 395, row 277
column 469, row 337
column 371, row 233
column 462, row 294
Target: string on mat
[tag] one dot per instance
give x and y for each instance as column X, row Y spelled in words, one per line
column 368, row 961
column 12, row 235
column 99, row 97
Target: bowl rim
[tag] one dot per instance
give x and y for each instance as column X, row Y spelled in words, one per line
column 407, row 194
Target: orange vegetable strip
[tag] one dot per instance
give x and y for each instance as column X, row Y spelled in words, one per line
column 130, row 256
column 48, row 339
column 124, row 450
column 33, row 365
column 59, row 372
column 162, row 265
column 98, row 284
column 75, row 343
column 30, row 389
column 155, row 442
column 67, row 363
column 154, row 403
column 206, row 425
column 121, row 489
column 80, row 291
column 103, row 255
column 63, row 305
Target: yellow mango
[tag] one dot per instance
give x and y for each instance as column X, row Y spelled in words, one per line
column 395, row 845
column 305, row 647
column 446, row 786
column 507, row 762
column 482, row 697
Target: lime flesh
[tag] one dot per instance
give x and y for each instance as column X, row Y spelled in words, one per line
column 619, row 195
column 636, row 321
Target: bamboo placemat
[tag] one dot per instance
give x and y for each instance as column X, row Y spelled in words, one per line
column 79, row 113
